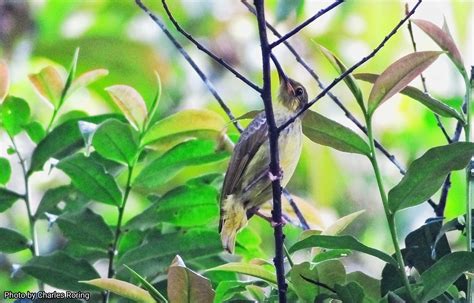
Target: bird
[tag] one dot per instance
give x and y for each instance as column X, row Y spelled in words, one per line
column 247, row 183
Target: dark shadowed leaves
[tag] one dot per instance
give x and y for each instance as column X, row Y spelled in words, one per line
column 185, row 285
column 116, row 141
column 327, row 132
column 340, row 242
column 61, row 271
column 161, row 170
column 427, row 173
column 398, row 75
column 352, row 292
column 439, row 277
column 91, row 179
column 7, row 198
column 12, row 241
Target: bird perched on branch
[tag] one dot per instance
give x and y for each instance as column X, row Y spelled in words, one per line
column 247, row 184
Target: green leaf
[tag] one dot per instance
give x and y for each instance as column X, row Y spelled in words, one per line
column 123, row 289
column 327, row 132
column 370, row 285
column 130, row 103
column 247, row 269
column 63, row 141
column 156, row 254
column 349, row 79
column 12, row 241
column 72, row 115
column 433, row 104
column 87, row 78
column 398, row 75
column 340, row 242
column 5, row 171
column 350, row 293
column 35, row 131
column 226, row 290
column 91, row 254
column 96, row 233
column 427, row 173
column 116, row 141
column 14, row 113
column 161, row 170
column 152, row 290
column 49, row 84
column 185, row 285
column 70, row 76
column 4, row 80
column 91, row 179
column 7, row 198
column 61, row 271
column 156, row 101
column 305, row 290
column 341, row 224
column 444, row 40
column 439, row 277
column 184, row 206
column 285, row 7
column 184, row 122
column 53, row 196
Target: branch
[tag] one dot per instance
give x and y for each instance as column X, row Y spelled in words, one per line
column 205, row 50
column 273, row 134
column 305, row 23
column 214, row 93
column 351, row 69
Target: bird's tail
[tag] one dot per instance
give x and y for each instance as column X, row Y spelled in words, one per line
column 233, row 219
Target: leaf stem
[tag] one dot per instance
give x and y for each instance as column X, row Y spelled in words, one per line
column 118, row 231
column 53, row 117
column 390, row 216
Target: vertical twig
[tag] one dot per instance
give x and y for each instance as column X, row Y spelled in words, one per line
column 274, row 156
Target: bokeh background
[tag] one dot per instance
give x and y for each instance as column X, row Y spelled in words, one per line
column 118, row 36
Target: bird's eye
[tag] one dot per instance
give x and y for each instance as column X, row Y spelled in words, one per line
column 299, row 92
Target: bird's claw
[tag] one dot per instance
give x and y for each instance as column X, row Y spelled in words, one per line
column 273, row 177
column 275, row 224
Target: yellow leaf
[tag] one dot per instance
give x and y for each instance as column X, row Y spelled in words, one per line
column 130, row 103
column 123, row 289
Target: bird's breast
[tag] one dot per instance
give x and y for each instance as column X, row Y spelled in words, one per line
column 290, row 144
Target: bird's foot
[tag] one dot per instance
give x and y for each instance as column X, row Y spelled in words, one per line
column 270, row 220
column 273, row 177
column 275, row 224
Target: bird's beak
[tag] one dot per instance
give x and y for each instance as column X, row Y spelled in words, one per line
column 284, row 81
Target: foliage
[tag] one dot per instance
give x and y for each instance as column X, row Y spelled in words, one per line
column 159, row 173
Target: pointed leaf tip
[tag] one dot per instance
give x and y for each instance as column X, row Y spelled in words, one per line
column 398, row 75
column 443, row 38
column 130, row 102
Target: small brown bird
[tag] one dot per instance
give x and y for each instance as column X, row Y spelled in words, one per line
column 247, row 183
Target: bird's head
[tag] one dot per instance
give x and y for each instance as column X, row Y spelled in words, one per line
column 293, row 95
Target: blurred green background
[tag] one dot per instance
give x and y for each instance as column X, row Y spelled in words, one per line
column 118, row 36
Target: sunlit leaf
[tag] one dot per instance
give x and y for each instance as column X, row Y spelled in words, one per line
column 439, row 277
column 435, row 105
column 398, row 75
column 7, row 198
column 247, row 269
column 91, row 179
column 64, row 140
column 341, row 224
column 61, row 271
column 156, row 101
column 14, row 114
column 185, row 285
column 327, row 132
column 12, row 241
column 147, row 285
column 71, row 115
column 96, row 233
column 444, row 40
column 87, row 78
column 49, row 84
column 340, row 242
column 184, row 121
column 123, row 289
column 70, row 76
column 437, row 163
column 4, row 80
column 130, row 102
column 35, row 131
column 161, row 170
column 249, row 115
column 5, row 170
column 116, row 141
column 349, row 79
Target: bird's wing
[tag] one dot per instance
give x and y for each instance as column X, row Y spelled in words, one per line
column 253, row 137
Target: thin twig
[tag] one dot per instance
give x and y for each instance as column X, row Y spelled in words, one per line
column 351, row 69
column 317, row 283
column 273, row 135
column 205, row 50
column 305, row 23
column 218, row 98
